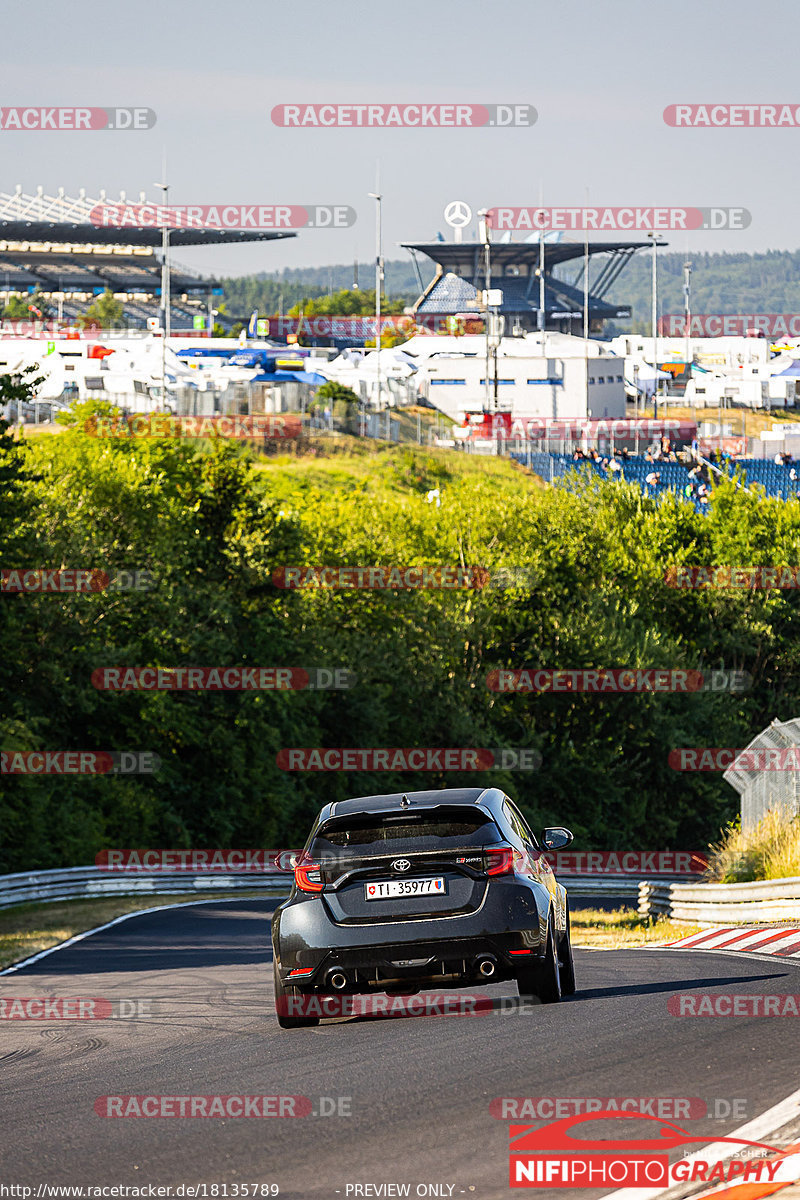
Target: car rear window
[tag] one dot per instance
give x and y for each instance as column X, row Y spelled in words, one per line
column 394, row 835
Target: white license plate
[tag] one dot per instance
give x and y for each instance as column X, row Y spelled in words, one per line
column 384, row 889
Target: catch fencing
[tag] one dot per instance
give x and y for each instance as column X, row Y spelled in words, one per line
column 761, row 791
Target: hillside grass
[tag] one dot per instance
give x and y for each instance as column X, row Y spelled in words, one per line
column 770, row 851
column 623, row 929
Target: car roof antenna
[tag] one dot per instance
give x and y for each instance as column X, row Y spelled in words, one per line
column 405, row 802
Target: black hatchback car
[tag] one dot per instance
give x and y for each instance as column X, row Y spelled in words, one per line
column 393, row 893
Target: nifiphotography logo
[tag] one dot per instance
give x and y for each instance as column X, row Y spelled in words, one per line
column 550, row 1156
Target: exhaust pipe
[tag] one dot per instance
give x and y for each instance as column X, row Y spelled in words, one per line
column 336, row 979
column 487, row 966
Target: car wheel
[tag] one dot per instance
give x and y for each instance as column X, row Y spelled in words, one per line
column 566, row 964
column 543, row 979
column 283, row 997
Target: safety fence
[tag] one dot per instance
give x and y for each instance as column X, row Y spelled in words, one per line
column 763, row 790
column 722, row 903
column 91, row 882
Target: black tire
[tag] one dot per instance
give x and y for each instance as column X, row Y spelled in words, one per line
column 284, row 994
column 542, row 980
column 566, row 964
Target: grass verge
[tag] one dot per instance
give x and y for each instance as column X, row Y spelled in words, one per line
column 29, row 928
column 770, row 851
column 623, row 929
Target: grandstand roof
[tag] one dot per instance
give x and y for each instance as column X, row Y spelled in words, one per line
column 62, row 218
column 469, row 255
column 460, row 276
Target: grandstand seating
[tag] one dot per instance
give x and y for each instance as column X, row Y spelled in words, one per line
column 674, row 475
column 774, row 477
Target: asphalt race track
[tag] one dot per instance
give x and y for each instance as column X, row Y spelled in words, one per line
column 418, row 1088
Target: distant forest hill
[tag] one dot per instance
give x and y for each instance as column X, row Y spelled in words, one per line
column 279, row 292
column 721, row 283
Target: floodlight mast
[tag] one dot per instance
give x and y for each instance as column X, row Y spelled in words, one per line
column 165, row 288
column 484, row 237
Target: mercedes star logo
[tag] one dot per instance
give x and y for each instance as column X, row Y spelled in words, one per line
column 401, row 864
column 458, row 214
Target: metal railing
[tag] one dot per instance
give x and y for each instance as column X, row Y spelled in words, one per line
column 91, row 882
column 722, row 903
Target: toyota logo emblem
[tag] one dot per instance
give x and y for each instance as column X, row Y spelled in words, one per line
column 401, row 864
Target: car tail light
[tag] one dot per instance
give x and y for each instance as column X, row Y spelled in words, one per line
column 308, row 876
column 502, row 860
column 307, row 971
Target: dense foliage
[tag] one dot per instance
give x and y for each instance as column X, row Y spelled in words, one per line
column 212, row 524
column 721, row 283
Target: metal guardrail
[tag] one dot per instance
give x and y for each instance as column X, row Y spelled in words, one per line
column 729, row 903
column 91, row 882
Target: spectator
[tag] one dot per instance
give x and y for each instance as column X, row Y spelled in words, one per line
column 653, row 479
column 793, row 474
column 624, row 454
column 614, row 467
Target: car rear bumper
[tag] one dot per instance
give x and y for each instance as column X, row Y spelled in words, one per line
column 509, row 929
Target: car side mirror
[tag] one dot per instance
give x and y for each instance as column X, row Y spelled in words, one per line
column 556, row 838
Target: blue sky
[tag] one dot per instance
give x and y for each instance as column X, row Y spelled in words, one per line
column 599, row 72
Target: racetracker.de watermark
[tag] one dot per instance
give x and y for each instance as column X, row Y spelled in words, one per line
column 725, row 576
column 79, row 762
column 119, row 215
column 165, row 425
column 619, row 218
column 424, row 1004
column 222, row 679
column 401, row 578
column 667, row 1108
column 261, row 1107
column 73, row 1008
column 628, row 862
column 60, row 120
column 59, row 580
column 720, row 758
column 402, row 116
column 238, row 862
column 728, row 1004
column 617, row 680
column 730, row 116
column 418, row 759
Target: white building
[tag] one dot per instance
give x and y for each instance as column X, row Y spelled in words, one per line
column 727, row 370
column 564, row 377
